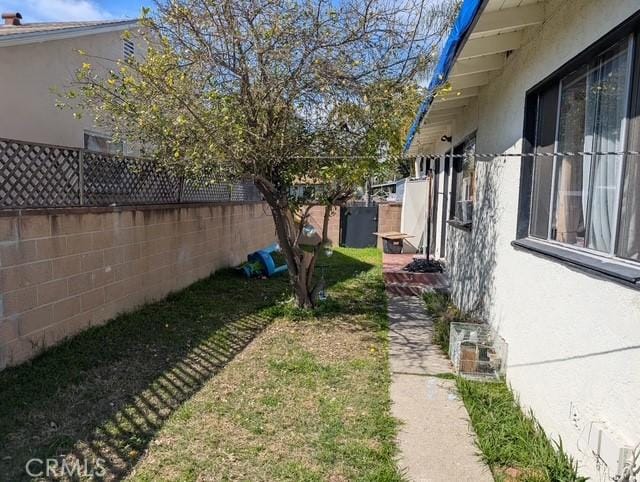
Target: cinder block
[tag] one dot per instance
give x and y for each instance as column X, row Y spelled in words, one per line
column 91, row 222
column 67, row 266
column 52, row 291
column 92, row 261
column 54, row 334
column 102, row 239
column 80, row 283
column 103, row 276
column 77, row 323
column 35, row 320
column 66, row 309
column 18, row 252
column 8, row 331
column 34, row 226
column 114, row 291
column 92, row 299
column 8, row 228
column 113, row 256
column 48, row 248
column 79, row 243
column 19, row 301
column 23, row 275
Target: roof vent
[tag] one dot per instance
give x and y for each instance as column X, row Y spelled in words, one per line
column 11, row 18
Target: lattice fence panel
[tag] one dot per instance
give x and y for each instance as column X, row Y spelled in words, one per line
column 36, row 175
column 246, row 191
column 110, row 179
column 202, row 191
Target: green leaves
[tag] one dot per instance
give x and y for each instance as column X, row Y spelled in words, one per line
column 263, row 89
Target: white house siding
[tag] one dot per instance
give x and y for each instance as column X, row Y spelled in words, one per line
column 30, row 71
column 574, row 339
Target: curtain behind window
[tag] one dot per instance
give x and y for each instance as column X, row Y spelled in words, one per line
column 606, row 107
column 592, row 110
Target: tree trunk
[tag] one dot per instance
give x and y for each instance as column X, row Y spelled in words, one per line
column 300, row 263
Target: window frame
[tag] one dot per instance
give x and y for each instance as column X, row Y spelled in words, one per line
column 610, row 263
column 457, row 169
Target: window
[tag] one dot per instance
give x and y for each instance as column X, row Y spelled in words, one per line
column 463, row 181
column 128, row 49
column 591, row 202
column 101, row 143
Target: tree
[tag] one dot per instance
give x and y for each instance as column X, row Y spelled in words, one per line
column 276, row 91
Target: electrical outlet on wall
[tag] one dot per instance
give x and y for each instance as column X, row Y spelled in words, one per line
column 611, row 454
column 625, row 458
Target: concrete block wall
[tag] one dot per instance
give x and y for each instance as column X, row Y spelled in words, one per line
column 316, row 218
column 389, row 215
column 62, row 271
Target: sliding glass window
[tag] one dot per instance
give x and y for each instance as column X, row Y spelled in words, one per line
column 586, row 195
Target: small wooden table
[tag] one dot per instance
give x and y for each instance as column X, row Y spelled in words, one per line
column 393, row 241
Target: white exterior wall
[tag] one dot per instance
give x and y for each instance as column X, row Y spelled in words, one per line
column 574, row 339
column 30, row 71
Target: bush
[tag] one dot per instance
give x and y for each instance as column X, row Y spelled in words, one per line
column 444, row 312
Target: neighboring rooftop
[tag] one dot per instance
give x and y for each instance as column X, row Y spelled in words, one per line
column 14, row 31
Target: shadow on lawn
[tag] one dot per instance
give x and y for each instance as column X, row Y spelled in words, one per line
column 99, row 398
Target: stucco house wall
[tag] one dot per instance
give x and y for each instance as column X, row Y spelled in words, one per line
column 30, row 71
column 574, row 338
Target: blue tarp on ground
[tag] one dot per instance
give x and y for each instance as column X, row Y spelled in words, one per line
column 468, row 12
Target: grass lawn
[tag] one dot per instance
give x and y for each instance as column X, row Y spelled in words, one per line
column 220, row 381
column 512, row 443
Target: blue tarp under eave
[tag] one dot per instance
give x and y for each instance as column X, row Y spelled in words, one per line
column 468, row 12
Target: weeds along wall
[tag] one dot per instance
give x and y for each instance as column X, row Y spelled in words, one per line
column 64, row 270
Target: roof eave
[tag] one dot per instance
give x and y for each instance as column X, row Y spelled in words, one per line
column 444, row 67
column 37, row 37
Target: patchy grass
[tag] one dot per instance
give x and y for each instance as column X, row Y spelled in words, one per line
column 512, row 443
column 308, row 400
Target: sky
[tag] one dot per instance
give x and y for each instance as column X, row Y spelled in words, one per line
column 68, row 10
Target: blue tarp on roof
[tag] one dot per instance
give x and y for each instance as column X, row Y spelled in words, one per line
column 468, row 12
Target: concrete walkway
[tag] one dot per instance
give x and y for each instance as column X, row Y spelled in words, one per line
column 436, row 442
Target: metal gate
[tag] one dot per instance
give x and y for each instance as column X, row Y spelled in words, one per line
column 357, row 225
